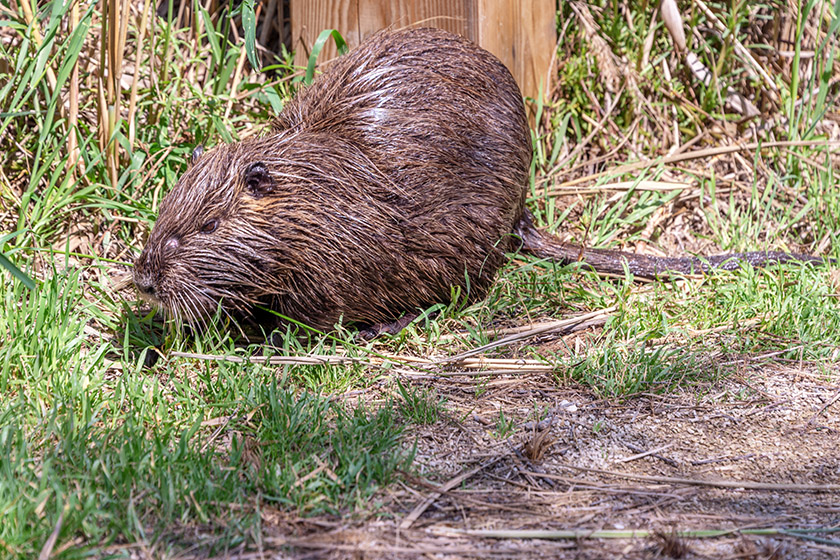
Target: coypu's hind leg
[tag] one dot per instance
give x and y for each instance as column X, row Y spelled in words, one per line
column 391, row 328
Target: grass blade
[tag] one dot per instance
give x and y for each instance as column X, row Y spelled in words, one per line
column 16, row 272
column 322, row 39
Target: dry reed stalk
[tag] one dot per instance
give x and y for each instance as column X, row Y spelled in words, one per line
column 696, row 154
column 647, row 46
column 533, row 331
column 499, row 366
column 505, row 364
column 621, row 186
column 102, row 102
column 740, row 48
column 734, row 484
column 73, row 161
column 112, row 48
column 423, row 505
column 184, row 10
column 580, row 534
column 237, row 77
column 384, row 551
column 37, row 40
column 407, row 359
column 498, row 332
column 49, row 545
column 421, row 375
column 644, row 454
column 132, row 103
column 273, row 360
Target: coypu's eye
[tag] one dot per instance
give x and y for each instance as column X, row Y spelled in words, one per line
column 210, row 226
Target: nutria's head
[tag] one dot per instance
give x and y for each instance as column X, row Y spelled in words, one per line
column 212, row 242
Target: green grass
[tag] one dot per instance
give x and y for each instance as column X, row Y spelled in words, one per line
column 505, row 426
column 128, row 453
column 664, row 335
column 420, row 405
column 112, row 446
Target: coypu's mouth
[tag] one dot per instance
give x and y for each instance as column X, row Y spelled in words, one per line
column 151, row 299
column 189, row 304
column 192, row 309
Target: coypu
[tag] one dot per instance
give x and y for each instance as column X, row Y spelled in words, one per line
column 399, row 174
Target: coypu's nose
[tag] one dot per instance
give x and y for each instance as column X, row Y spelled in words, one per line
column 144, row 281
column 145, row 287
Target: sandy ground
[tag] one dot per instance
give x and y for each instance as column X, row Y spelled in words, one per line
column 584, row 465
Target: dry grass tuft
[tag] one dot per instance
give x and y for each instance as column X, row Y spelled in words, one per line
column 538, row 445
column 670, row 545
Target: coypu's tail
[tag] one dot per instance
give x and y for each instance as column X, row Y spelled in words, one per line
column 545, row 245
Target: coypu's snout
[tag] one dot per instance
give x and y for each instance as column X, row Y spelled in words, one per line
column 145, row 280
column 148, row 269
column 144, row 286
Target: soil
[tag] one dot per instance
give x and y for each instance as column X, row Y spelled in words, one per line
column 776, row 423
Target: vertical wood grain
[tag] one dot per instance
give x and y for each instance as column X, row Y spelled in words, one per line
column 457, row 16
column 520, row 32
column 310, row 17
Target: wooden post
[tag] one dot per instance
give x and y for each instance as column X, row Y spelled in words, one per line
column 520, row 32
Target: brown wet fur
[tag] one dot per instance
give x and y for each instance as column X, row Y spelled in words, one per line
column 399, row 174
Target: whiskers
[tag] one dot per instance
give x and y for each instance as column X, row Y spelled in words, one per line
column 197, row 304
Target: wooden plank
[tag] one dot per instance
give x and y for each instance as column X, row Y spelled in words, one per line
column 356, row 20
column 520, row 32
column 457, row 16
column 310, row 17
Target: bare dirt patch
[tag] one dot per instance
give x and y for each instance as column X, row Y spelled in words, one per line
column 577, row 462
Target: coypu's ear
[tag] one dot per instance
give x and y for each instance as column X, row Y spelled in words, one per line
column 198, row 151
column 258, row 179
